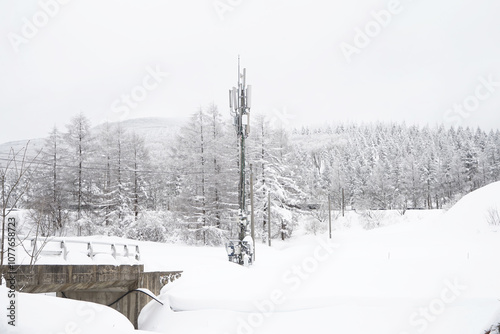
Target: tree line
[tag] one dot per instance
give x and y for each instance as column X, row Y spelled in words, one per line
column 395, row 166
column 106, row 180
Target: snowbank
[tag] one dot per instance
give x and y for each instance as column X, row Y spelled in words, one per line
column 420, row 275
column 425, row 274
column 471, row 213
column 370, row 281
column 40, row 314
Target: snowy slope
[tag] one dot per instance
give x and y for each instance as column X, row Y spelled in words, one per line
column 35, row 146
column 472, row 211
column 44, row 314
column 422, row 276
column 431, row 273
column 372, row 283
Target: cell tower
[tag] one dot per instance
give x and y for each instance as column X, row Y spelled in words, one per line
column 241, row 250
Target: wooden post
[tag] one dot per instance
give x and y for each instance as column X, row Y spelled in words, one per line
column 269, row 219
column 329, row 216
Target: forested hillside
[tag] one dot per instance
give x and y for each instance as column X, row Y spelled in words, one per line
column 394, row 166
column 178, row 181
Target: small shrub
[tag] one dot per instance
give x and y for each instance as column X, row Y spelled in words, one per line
column 493, row 216
column 153, row 226
column 315, row 226
column 86, row 226
column 344, row 222
column 372, row 218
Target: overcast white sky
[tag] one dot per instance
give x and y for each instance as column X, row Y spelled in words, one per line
column 429, row 56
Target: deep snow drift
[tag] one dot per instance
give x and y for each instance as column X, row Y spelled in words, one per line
column 45, row 314
column 433, row 272
column 436, row 275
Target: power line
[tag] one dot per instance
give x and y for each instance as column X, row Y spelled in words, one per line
column 182, row 172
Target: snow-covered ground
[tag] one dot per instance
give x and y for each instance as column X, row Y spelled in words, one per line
column 432, row 272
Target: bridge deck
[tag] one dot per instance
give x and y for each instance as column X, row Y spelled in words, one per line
column 101, row 284
column 58, row 278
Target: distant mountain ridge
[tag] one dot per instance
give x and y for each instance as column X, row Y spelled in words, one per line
column 152, row 129
column 155, row 131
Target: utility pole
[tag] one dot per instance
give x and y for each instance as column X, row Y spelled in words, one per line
column 269, row 218
column 329, row 216
column 239, row 104
column 252, row 220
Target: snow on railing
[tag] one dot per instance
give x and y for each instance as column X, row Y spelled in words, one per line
column 61, row 247
column 116, row 249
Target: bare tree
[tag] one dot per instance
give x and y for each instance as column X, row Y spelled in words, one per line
column 15, row 175
column 49, row 191
column 78, row 139
column 139, row 159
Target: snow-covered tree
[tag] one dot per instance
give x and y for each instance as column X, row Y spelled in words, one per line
column 16, row 174
column 79, row 141
column 270, row 153
column 204, row 162
column 50, row 194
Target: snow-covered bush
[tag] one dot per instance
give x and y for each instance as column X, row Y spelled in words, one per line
column 318, row 222
column 315, row 226
column 147, row 230
column 214, row 236
column 342, row 222
column 86, row 226
column 120, row 228
column 283, row 222
column 372, row 218
column 157, row 226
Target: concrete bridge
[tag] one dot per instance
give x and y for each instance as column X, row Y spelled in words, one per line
column 102, row 284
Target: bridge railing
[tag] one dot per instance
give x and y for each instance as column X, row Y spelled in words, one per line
column 62, row 247
column 116, row 249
